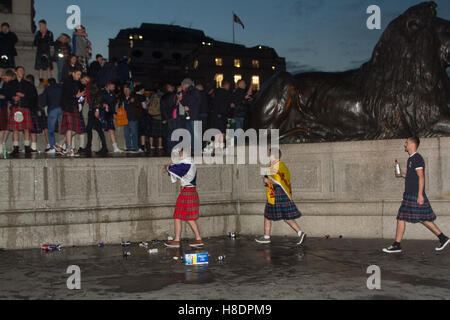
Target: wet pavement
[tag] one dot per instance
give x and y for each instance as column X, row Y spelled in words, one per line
column 321, row 269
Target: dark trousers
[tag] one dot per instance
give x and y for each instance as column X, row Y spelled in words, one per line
column 172, row 125
column 94, row 123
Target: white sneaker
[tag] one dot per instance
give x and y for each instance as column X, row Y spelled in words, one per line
column 141, row 151
column 263, row 240
column 117, row 150
column 302, row 238
column 72, row 154
column 51, row 151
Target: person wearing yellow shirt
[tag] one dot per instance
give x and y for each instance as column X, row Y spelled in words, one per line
column 280, row 206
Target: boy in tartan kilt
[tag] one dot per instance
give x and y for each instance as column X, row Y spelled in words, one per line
column 71, row 93
column 280, row 205
column 22, row 96
column 187, row 207
column 415, row 207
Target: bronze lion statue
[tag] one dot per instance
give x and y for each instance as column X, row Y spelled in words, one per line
column 403, row 90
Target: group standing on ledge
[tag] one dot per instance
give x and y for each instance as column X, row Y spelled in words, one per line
column 149, row 115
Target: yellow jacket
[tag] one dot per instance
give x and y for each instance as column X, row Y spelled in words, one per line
column 280, row 175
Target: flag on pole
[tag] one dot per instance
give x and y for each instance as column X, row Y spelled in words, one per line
column 237, row 20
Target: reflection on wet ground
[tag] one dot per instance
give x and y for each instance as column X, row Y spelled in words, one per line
column 321, row 269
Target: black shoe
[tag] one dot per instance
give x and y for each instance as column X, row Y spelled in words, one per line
column 15, row 152
column 27, row 150
column 33, row 151
column 103, row 152
column 85, row 151
column 395, row 248
column 444, row 243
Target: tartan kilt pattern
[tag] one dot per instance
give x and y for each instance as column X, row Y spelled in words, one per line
column 108, row 125
column 3, row 119
column 72, row 122
column 411, row 211
column 283, row 209
column 37, row 124
column 157, row 129
column 187, row 207
column 26, row 124
column 43, row 121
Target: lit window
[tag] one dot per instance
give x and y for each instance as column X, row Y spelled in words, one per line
column 141, row 37
column 219, row 62
column 219, row 80
column 237, row 77
column 255, row 83
column 131, row 37
column 255, row 64
column 195, row 64
column 273, row 68
column 260, row 47
column 204, row 43
column 237, row 63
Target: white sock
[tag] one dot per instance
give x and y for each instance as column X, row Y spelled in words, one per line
column 82, row 140
column 115, row 146
column 48, row 146
column 300, row 233
column 26, row 143
column 16, row 143
column 34, row 145
column 267, row 237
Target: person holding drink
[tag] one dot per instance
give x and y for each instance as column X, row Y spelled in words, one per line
column 415, row 207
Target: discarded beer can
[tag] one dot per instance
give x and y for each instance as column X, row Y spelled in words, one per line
column 232, row 235
column 175, row 258
column 143, row 245
column 126, row 244
column 169, row 238
column 153, row 251
column 51, row 247
column 327, row 237
column 101, row 244
column 221, row 258
column 126, row 254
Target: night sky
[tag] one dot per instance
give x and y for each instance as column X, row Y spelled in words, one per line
column 313, row 35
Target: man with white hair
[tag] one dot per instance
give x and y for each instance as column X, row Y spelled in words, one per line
column 191, row 102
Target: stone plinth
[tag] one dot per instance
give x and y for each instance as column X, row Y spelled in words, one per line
column 344, row 189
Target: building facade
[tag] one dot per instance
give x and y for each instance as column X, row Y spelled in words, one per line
column 168, row 53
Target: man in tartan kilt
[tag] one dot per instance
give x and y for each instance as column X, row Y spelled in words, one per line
column 415, row 207
column 36, row 118
column 22, row 96
column 70, row 97
column 280, row 205
column 7, row 78
column 187, row 207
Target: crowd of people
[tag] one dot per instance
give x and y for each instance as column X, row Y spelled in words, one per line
column 149, row 116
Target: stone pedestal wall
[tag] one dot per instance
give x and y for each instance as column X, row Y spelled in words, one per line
column 346, row 189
